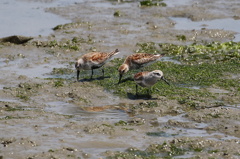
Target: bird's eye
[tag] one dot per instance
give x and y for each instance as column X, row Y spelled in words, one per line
column 157, row 74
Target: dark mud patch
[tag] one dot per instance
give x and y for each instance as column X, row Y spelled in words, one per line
column 15, row 39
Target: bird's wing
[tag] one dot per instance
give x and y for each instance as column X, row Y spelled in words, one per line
column 138, row 77
column 96, row 57
column 142, row 58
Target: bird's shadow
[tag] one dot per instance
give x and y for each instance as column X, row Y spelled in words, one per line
column 93, row 79
column 140, row 96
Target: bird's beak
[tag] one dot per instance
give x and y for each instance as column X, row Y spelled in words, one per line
column 165, row 81
column 120, row 77
column 78, row 72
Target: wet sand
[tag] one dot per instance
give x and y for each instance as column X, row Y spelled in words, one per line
column 48, row 115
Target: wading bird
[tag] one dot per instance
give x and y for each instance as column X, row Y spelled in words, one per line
column 137, row 61
column 148, row 79
column 93, row 60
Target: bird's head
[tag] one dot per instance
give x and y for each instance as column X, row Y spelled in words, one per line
column 159, row 75
column 78, row 64
column 122, row 69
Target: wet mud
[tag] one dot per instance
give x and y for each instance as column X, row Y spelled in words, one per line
column 46, row 113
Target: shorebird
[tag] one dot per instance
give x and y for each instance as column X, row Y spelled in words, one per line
column 148, row 79
column 93, row 60
column 137, row 61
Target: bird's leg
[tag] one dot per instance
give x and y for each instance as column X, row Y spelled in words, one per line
column 149, row 91
column 92, row 74
column 136, row 90
column 78, row 72
column 103, row 72
column 120, row 77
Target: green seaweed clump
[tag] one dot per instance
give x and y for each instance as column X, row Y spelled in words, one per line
column 68, row 26
column 154, row 151
column 149, row 3
column 182, row 79
column 198, row 67
column 58, row 83
column 181, row 37
column 117, row 14
column 66, row 45
column 158, row 134
column 25, row 90
column 61, row 71
column 69, row 44
column 176, row 148
column 213, row 52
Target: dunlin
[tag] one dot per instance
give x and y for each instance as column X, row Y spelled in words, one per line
column 148, row 79
column 137, row 61
column 93, row 60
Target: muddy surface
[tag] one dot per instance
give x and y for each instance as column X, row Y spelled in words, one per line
column 46, row 113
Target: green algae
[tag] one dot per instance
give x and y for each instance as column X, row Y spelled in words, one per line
column 181, row 78
column 73, row 44
column 58, row 83
column 25, row 90
column 202, row 66
column 176, row 148
column 9, row 108
column 121, row 123
column 154, row 151
column 181, row 37
column 158, row 134
column 23, row 97
column 8, row 117
column 117, row 13
column 61, row 71
column 213, row 52
column 132, row 122
column 150, row 3
column 149, row 104
column 65, row 45
column 70, row 25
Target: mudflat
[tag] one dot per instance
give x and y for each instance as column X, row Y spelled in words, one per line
column 46, row 113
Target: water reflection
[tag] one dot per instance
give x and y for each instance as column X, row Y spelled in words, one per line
column 99, row 113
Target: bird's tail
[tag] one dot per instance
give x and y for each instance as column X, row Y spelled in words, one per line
column 160, row 55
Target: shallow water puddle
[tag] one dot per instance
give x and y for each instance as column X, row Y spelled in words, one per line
column 190, row 87
column 98, row 144
column 28, row 18
column 169, row 59
column 1, row 86
column 9, row 100
column 115, row 114
column 186, row 155
column 197, row 131
column 101, row 113
column 236, row 106
column 23, row 67
column 174, row 3
column 222, row 24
